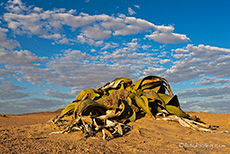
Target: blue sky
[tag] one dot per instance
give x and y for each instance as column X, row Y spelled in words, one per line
column 50, row 50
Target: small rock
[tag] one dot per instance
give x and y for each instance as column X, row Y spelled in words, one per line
column 70, row 147
column 2, row 115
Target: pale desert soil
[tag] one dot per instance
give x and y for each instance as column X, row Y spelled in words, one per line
column 28, row 133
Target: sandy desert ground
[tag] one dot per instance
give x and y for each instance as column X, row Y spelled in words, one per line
column 29, row 133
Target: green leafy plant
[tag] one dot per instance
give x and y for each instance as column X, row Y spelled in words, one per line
column 111, row 106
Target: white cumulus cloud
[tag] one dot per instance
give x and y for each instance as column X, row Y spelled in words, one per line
column 199, row 61
column 54, row 24
column 22, row 57
column 162, row 37
column 131, row 11
column 8, row 91
column 6, row 42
